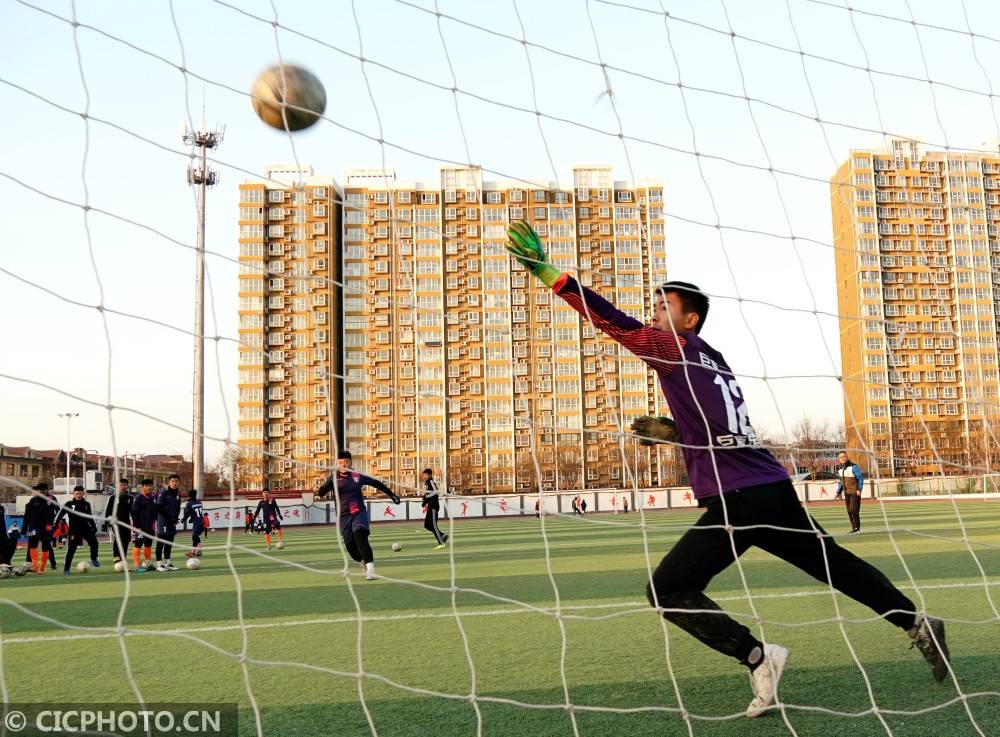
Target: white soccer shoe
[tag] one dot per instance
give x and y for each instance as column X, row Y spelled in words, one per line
column 370, row 571
column 764, row 680
column 160, row 567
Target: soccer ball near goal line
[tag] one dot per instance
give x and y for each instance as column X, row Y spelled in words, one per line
column 397, row 547
column 83, row 566
column 193, row 564
column 279, row 87
column 120, row 566
column 280, row 545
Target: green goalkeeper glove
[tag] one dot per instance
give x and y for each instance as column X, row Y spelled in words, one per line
column 524, row 245
column 654, row 430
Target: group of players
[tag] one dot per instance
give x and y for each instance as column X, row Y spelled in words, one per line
column 148, row 517
column 140, row 519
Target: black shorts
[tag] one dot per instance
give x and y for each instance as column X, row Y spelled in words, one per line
column 351, row 522
column 144, row 538
column 272, row 523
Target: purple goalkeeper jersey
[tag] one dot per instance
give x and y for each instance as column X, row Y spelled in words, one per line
column 701, row 391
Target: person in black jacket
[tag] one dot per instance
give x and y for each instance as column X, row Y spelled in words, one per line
column 168, row 512
column 270, row 516
column 432, row 506
column 39, row 522
column 82, row 528
column 118, row 515
column 144, row 521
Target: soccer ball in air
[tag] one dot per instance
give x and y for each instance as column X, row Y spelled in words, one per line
column 280, row 545
column 396, row 547
column 120, row 566
column 82, row 567
column 193, row 564
column 288, row 97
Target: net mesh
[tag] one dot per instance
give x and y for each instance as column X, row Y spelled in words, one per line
column 775, row 127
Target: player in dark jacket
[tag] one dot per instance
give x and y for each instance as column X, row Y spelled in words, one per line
column 270, row 516
column 353, row 514
column 432, row 506
column 38, row 524
column 195, row 512
column 144, row 522
column 82, row 528
column 118, row 515
column 734, row 478
column 168, row 512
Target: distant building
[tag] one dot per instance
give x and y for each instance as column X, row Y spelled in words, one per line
column 454, row 358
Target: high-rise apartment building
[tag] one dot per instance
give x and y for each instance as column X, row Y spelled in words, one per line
column 289, row 315
column 917, row 250
column 454, row 358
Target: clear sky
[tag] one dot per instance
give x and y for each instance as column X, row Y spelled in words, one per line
column 145, row 268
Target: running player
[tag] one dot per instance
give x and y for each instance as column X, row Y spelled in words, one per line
column 353, row 514
column 432, row 506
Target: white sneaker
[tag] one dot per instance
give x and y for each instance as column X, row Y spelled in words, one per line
column 764, row 680
column 161, row 568
column 170, row 566
column 370, row 572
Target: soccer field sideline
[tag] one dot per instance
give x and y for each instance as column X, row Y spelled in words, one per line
column 599, row 570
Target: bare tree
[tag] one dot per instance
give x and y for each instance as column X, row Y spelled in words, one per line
column 527, row 472
column 500, row 474
column 459, row 470
column 240, row 464
column 671, row 465
column 815, row 443
column 568, row 465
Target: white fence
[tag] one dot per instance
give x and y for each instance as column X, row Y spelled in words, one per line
column 305, row 511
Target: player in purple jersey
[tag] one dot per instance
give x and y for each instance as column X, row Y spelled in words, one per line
column 352, row 511
column 745, row 492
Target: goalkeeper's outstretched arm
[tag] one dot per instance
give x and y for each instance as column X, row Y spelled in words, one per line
column 659, row 348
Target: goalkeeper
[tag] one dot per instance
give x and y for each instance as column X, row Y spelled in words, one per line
column 735, row 480
column 353, row 514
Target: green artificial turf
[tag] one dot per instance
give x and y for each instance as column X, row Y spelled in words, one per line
column 303, row 637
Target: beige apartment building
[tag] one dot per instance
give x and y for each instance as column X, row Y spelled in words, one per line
column 289, row 315
column 917, row 250
column 454, row 358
